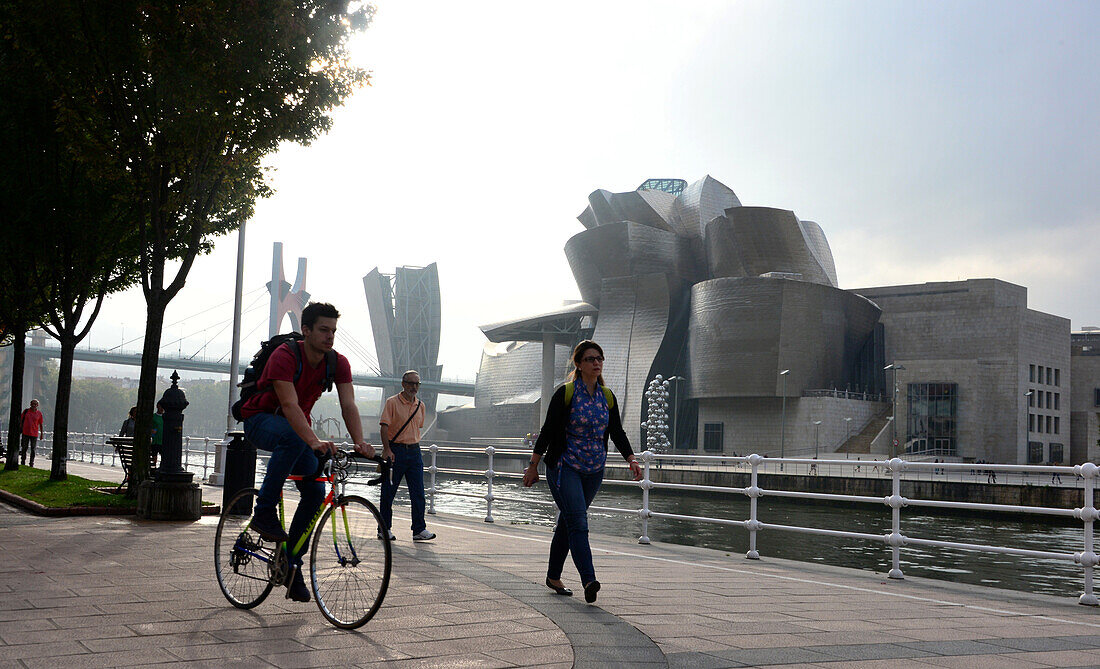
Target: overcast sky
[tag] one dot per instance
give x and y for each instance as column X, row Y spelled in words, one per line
column 932, row 141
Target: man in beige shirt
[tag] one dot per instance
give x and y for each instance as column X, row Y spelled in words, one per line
column 401, row 420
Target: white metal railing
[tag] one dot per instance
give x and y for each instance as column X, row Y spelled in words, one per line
column 197, row 456
column 1085, row 474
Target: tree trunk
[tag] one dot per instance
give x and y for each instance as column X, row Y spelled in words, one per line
column 58, row 469
column 147, row 388
column 15, row 429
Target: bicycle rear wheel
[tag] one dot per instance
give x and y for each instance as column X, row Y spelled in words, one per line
column 242, row 560
column 350, row 562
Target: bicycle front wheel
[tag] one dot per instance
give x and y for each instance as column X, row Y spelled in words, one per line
column 242, row 560
column 350, row 562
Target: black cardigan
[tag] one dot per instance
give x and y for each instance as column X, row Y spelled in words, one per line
column 551, row 441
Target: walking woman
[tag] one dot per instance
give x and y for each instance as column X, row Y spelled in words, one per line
column 582, row 415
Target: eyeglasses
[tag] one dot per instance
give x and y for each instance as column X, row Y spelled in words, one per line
column 411, row 383
column 592, row 358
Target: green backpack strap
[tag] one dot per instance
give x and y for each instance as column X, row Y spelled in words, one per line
column 606, row 393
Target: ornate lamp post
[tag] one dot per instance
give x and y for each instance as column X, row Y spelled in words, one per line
column 171, row 495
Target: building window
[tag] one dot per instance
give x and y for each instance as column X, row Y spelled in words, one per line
column 1056, row 456
column 1040, row 399
column 1031, row 373
column 1031, row 422
column 1048, row 424
column 1040, row 379
column 1050, row 397
column 931, row 419
column 1050, row 377
column 1056, row 425
column 713, row 435
column 1031, row 397
column 1034, row 452
column 1057, row 377
column 1057, row 399
column 1096, row 397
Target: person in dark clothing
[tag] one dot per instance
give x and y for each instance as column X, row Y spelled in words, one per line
column 582, row 416
column 127, row 429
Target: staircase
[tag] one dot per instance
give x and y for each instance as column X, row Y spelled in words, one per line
column 861, row 443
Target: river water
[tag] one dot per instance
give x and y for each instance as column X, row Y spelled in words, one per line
column 1048, row 576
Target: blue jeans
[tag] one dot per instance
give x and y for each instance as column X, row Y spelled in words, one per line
column 573, row 493
column 289, row 455
column 406, row 463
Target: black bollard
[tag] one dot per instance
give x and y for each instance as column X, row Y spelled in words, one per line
column 240, row 472
column 171, row 468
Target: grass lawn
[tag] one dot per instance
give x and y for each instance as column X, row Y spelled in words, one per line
column 34, row 484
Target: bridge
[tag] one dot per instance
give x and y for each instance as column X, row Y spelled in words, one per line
column 462, row 388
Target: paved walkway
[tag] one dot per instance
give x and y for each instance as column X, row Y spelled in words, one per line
column 116, row 591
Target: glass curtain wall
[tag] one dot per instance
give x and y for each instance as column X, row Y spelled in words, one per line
column 931, row 421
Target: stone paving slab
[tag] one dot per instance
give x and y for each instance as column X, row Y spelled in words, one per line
column 118, row 591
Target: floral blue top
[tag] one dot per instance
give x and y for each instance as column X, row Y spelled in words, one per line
column 588, row 418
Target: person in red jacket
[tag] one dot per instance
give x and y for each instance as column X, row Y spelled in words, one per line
column 31, row 418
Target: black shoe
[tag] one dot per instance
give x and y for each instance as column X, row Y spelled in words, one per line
column 561, row 591
column 297, row 589
column 267, row 525
column 590, row 591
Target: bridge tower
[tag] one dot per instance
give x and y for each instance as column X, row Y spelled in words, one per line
column 405, row 312
column 285, row 298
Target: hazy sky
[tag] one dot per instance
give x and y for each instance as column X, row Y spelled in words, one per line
column 932, row 141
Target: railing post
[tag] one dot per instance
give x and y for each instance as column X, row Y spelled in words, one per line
column 1089, row 515
column 895, row 502
column 186, row 452
column 645, row 484
column 433, row 449
column 205, row 455
column 753, row 492
column 489, row 450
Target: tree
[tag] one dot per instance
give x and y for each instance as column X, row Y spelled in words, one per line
column 67, row 213
column 178, row 103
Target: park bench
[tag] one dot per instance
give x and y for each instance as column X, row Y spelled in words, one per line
column 124, row 447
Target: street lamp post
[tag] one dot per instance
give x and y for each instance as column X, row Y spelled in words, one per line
column 1027, row 429
column 847, row 430
column 783, row 419
column 894, row 423
column 675, row 405
column 817, row 440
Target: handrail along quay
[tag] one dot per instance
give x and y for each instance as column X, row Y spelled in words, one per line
column 1088, row 474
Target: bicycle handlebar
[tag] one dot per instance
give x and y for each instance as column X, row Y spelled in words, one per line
column 342, row 459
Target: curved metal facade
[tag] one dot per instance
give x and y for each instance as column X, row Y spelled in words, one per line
column 750, row 241
column 742, row 331
column 626, row 249
column 632, row 327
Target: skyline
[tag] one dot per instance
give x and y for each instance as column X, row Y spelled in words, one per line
column 930, row 143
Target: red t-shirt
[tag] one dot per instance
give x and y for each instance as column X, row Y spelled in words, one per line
column 281, row 367
column 32, row 422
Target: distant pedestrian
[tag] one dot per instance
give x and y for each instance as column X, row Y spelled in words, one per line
column 990, row 476
column 813, row 467
column 581, row 417
column 158, row 432
column 399, row 426
column 857, row 465
column 127, row 429
column 31, row 420
column 1055, row 477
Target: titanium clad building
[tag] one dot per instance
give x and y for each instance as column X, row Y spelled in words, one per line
column 741, row 308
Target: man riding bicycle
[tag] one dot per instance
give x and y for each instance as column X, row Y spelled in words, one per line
column 277, row 419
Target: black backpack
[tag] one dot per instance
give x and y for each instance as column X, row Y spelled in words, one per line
column 256, row 368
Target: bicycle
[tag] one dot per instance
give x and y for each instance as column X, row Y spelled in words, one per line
column 349, row 571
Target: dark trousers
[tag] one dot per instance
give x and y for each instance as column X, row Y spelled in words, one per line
column 289, row 455
column 26, row 442
column 573, row 492
column 407, row 463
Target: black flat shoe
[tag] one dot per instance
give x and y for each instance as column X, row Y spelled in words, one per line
column 561, row 591
column 590, row 591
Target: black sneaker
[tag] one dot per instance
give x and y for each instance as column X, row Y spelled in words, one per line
column 267, row 525
column 297, row 589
